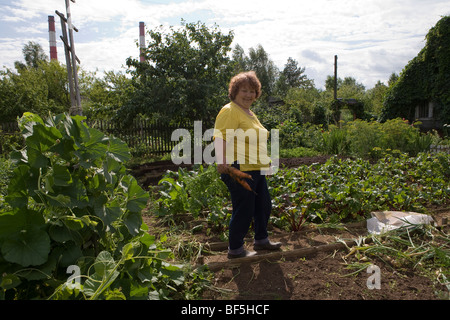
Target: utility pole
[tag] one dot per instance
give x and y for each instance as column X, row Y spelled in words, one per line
column 335, row 76
column 71, row 59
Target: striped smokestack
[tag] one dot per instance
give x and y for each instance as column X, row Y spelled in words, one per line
column 142, row 41
column 52, row 38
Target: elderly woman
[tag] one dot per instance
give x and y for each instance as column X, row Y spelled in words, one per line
column 241, row 153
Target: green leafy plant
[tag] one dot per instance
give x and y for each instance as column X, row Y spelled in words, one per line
column 199, row 192
column 348, row 190
column 73, row 204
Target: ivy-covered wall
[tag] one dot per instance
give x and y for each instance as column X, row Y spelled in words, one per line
column 425, row 78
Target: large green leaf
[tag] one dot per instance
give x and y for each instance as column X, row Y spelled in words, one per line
column 104, row 276
column 21, row 180
column 17, row 220
column 41, row 140
column 61, row 175
column 29, row 247
column 108, row 212
column 137, row 197
column 77, row 193
column 133, row 222
column 118, row 150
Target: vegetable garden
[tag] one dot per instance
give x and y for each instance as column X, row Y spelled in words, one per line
column 75, row 224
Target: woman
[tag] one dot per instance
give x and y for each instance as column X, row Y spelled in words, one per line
column 241, row 141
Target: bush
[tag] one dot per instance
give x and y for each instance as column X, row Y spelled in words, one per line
column 294, row 135
column 364, row 139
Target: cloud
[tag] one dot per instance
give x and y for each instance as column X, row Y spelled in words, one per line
column 372, row 38
column 311, row 55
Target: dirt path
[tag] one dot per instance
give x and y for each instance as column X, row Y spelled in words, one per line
column 321, row 275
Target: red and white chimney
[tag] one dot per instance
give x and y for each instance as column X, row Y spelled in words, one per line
column 52, row 38
column 142, row 41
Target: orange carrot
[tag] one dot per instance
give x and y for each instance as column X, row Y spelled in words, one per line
column 239, row 176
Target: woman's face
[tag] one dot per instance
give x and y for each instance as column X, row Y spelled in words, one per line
column 246, row 96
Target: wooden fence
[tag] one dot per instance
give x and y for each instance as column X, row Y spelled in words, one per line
column 142, row 137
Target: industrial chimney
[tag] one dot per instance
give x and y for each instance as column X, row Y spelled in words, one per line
column 52, row 38
column 142, row 41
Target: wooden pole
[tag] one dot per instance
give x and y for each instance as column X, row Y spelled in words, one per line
column 277, row 255
column 335, row 77
column 77, row 108
column 73, row 99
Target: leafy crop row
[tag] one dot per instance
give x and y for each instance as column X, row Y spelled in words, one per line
column 340, row 190
column 345, row 190
column 71, row 206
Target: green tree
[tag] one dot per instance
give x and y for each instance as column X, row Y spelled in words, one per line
column 185, row 76
column 103, row 97
column 292, row 76
column 300, row 103
column 39, row 90
column 266, row 70
column 374, row 98
column 33, row 54
column 393, row 79
column 239, row 59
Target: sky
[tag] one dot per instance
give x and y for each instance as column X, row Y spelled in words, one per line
column 372, row 38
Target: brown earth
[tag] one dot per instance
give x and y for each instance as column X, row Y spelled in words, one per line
column 318, row 275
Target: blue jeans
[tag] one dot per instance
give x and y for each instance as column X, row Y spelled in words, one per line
column 248, row 206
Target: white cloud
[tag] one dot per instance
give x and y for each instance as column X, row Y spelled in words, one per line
column 372, row 38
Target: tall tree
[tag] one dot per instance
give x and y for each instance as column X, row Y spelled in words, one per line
column 260, row 62
column 185, row 75
column 239, row 59
column 102, row 97
column 33, row 54
column 38, row 86
column 292, row 76
column 375, row 97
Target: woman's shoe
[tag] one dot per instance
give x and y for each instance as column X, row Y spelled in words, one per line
column 267, row 246
column 243, row 254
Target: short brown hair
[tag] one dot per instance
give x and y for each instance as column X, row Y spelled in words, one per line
column 238, row 80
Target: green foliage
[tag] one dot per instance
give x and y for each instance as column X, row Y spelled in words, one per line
column 185, row 75
column 102, row 97
column 40, row 90
column 6, row 170
column 348, row 190
column 294, row 135
column 369, row 138
column 200, row 192
column 425, row 78
column 72, row 203
column 298, row 152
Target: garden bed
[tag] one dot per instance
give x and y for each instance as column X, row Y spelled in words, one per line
column 313, row 264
